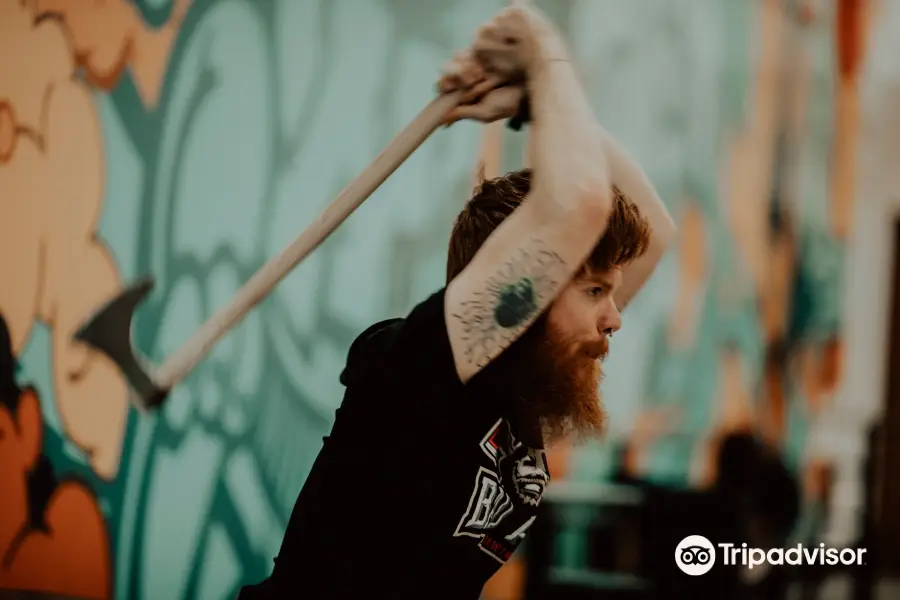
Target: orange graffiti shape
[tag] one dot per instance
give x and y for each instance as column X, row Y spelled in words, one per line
column 55, row 270
column 53, row 538
column 109, row 36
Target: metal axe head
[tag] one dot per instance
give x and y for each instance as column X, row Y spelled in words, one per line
column 109, row 332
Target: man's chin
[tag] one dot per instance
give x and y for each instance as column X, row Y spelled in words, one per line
column 584, row 421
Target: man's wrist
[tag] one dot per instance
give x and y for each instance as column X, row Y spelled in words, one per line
column 546, row 65
column 549, row 48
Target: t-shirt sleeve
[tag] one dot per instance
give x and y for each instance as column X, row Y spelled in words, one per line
column 423, row 344
column 410, row 378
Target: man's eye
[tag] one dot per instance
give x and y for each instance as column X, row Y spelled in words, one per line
column 596, row 291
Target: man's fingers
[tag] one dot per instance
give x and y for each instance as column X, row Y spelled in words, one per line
column 449, row 83
column 475, row 87
column 462, row 72
column 488, row 31
column 480, row 89
column 500, row 103
column 476, row 90
column 507, row 99
column 490, row 54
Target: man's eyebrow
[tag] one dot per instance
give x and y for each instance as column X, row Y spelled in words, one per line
column 601, row 278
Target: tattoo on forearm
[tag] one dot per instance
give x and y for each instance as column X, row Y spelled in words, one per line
column 512, row 298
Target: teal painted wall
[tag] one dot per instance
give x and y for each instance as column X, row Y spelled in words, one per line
column 221, row 142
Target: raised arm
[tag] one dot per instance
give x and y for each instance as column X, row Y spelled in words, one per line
column 536, row 251
column 628, row 176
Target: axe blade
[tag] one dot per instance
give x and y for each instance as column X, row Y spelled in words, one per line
column 109, row 331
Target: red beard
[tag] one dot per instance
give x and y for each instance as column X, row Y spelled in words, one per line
column 554, row 384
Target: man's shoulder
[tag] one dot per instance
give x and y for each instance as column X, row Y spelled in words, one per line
column 379, row 331
column 425, row 318
column 369, row 346
column 420, row 331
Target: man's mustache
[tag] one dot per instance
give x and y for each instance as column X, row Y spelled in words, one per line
column 598, row 349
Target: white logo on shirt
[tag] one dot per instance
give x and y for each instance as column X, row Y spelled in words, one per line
column 502, row 495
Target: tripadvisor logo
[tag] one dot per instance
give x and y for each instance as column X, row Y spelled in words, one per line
column 696, row 555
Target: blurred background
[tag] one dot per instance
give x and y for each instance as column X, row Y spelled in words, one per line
column 752, row 391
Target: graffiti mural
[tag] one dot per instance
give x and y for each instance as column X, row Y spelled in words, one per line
column 46, row 520
column 52, row 176
column 193, row 139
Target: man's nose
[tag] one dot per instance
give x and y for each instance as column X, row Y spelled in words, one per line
column 610, row 320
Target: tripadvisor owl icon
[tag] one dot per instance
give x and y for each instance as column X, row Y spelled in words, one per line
column 695, row 555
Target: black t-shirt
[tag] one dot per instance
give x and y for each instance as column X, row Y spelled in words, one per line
column 422, row 488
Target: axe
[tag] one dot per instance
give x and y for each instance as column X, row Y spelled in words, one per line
column 109, row 329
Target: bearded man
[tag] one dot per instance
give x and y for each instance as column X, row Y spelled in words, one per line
column 435, row 466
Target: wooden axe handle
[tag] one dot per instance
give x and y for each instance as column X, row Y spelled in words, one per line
column 180, row 363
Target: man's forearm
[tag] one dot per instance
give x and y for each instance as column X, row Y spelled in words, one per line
column 628, row 176
column 572, row 152
column 565, row 146
column 631, row 180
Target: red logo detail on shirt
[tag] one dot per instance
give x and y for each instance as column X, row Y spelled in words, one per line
column 490, row 445
column 495, row 548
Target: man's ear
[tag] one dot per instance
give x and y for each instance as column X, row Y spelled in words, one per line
column 30, row 427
